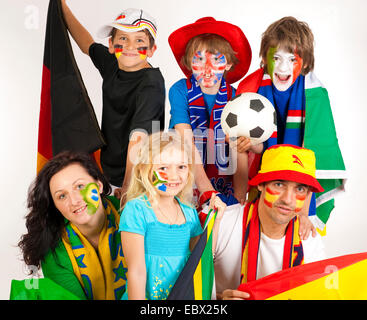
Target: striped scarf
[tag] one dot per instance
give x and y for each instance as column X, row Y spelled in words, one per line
column 293, row 250
column 103, row 274
column 295, row 119
column 319, row 136
column 294, row 127
column 211, row 143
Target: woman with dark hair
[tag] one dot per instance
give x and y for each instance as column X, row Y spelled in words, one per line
column 73, row 228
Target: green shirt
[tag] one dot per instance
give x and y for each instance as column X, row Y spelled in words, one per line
column 57, row 266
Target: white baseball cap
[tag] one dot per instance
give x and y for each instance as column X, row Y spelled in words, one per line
column 130, row 20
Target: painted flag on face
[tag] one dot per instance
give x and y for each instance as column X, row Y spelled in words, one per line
column 340, row 278
column 195, row 281
column 67, row 120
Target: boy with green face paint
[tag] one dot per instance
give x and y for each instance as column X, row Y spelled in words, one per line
column 304, row 116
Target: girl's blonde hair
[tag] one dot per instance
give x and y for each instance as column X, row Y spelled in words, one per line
column 142, row 173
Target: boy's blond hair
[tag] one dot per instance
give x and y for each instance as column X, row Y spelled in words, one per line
column 213, row 43
column 292, row 35
column 154, row 145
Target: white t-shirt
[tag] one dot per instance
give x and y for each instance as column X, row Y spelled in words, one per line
column 228, row 252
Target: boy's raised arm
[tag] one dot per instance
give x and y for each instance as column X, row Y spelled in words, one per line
column 201, row 179
column 81, row 35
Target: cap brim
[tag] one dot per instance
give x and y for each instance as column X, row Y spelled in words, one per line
column 233, row 34
column 104, row 31
column 287, row 175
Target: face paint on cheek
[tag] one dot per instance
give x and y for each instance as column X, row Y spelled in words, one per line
column 91, row 197
column 297, row 66
column 143, row 52
column 159, row 179
column 118, row 50
column 270, row 197
column 300, row 200
column 219, row 66
column 270, row 61
column 208, row 68
column 197, row 65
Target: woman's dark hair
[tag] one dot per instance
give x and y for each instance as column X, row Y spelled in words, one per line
column 44, row 222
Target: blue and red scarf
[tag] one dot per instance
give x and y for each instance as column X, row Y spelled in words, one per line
column 295, row 111
column 213, row 149
column 294, row 126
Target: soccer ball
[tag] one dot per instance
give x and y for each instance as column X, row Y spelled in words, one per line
column 249, row 115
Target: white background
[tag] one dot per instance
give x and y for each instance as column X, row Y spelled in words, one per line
column 340, row 30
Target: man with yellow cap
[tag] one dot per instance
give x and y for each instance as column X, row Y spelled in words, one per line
column 262, row 237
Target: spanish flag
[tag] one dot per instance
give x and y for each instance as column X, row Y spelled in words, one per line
column 340, row 278
column 67, row 120
column 196, row 279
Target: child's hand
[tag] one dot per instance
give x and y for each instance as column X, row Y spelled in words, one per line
column 216, row 203
column 305, row 227
column 242, row 144
column 241, row 197
column 118, row 193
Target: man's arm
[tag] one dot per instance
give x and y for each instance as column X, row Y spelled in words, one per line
column 132, row 150
column 240, row 177
column 81, row 36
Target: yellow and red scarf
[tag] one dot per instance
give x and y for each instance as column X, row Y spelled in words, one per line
column 103, row 274
column 293, row 250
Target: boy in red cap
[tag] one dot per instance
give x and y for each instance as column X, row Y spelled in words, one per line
column 212, row 54
column 133, row 91
column 263, row 237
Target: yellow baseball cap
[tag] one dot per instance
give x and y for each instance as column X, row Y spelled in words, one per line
column 288, row 162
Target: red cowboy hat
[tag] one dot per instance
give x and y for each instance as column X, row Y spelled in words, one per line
column 233, row 34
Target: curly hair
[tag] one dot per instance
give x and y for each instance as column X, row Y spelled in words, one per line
column 44, row 222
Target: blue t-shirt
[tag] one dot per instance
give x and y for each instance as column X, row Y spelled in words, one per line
column 180, row 105
column 166, row 246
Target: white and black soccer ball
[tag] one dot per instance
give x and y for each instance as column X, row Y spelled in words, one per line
column 249, row 115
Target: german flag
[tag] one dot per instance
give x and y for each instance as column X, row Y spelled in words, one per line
column 340, row 278
column 196, row 279
column 67, row 120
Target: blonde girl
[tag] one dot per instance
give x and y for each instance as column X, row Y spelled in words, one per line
column 159, row 225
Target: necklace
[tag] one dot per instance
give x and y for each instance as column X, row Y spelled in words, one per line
column 168, row 219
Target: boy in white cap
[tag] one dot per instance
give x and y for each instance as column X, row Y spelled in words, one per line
column 133, row 91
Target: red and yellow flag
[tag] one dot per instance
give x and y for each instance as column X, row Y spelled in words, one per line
column 67, row 120
column 340, row 278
